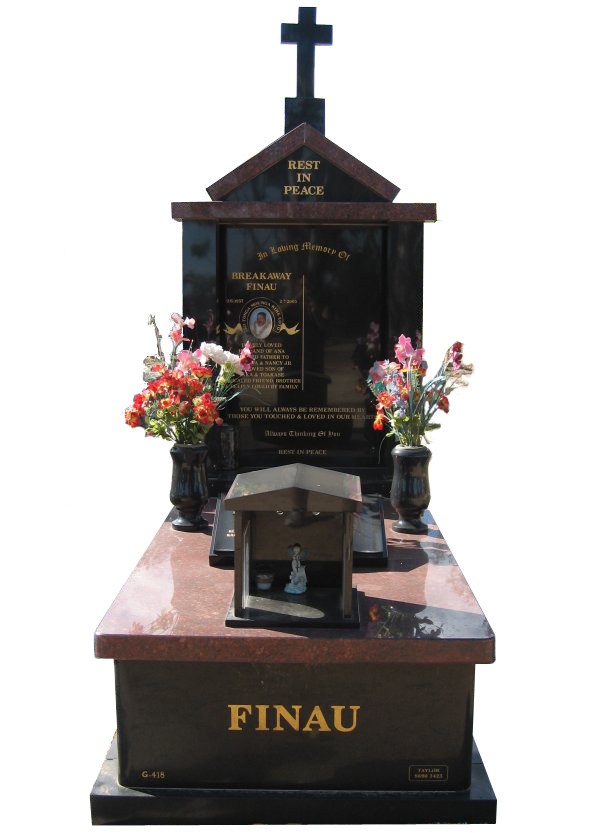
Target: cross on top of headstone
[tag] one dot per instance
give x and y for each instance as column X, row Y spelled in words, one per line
column 306, row 34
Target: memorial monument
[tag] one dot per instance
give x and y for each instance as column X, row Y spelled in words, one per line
column 302, row 251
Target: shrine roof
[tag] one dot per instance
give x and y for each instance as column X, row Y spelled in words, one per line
column 296, row 486
column 418, row 609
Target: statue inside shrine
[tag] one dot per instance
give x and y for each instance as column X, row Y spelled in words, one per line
column 297, row 583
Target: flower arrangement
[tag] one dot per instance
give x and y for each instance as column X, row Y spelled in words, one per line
column 182, row 399
column 405, row 401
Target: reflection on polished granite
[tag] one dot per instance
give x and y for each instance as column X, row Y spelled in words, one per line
column 417, row 609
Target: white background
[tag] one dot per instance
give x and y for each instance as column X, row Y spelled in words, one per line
column 114, row 109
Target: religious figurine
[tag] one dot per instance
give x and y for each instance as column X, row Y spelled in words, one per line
column 298, row 582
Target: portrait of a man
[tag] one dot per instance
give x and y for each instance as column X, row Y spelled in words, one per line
column 261, row 323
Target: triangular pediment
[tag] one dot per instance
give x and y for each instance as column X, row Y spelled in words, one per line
column 303, row 166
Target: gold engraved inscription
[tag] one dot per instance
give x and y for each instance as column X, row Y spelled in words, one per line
column 301, row 179
column 278, row 718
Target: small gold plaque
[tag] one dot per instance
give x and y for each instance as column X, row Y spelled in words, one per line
column 435, row 772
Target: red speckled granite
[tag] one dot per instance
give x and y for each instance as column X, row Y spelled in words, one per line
column 305, row 212
column 418, row 609
column 303, row 135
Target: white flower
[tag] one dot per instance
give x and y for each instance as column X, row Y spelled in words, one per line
column 235, row 362
column 222, row 357
column 214, row 352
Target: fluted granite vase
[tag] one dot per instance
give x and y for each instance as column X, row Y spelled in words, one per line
column 409, row 494
column 189, row 486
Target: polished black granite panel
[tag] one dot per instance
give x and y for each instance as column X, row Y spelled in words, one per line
column 312, row 301
column 112, row 803
column 303, row 176
column 301, row 725
column 319, row 304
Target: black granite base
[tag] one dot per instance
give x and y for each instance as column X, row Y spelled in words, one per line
column 113, row 804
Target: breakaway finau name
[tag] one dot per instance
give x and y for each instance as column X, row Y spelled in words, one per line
column 261, row 280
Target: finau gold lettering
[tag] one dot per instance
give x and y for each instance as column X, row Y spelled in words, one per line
column 292, row 720
column 316, row 719
column 238, row 716
column 277, row 718
column 338, row 712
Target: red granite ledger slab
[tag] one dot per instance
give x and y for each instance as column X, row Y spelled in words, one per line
column 418, row 609
column 305, row 212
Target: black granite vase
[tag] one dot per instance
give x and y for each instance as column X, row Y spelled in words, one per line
column 189, row 486
column 410, row 494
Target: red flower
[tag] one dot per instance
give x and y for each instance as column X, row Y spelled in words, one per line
column 176, row 336
column 443, row 404
column 374, row 613
column 132, row 418
column 385, row 399
column 378, row 423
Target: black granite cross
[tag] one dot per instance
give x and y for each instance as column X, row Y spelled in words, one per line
column 306, row 34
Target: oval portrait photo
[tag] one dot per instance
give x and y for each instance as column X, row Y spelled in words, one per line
column 260, row 323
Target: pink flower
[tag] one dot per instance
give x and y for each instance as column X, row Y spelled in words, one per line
column 176, row 336
column 180, row 321
column 455, row 355
column 403, row 347
column 406, row 353
column 247, row 357
column 189, row 362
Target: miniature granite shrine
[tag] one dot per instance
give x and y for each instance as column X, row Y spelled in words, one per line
column 314, row 509
column 301, row 250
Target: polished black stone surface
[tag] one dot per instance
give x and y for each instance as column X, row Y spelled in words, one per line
column 182, row 719
column 305, row 400
column 331, row 299
column 306, row 34
column 305, row 110
column 112, row 803
column 322, row 182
